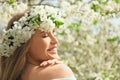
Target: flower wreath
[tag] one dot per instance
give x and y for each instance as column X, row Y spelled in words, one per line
column 42, row 17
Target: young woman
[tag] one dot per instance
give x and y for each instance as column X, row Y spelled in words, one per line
column 29, row 47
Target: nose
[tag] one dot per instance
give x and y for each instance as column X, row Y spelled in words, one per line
column 53, row 39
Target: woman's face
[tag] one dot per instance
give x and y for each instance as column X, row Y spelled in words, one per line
column 43, row 46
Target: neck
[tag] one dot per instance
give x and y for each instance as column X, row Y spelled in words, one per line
column 33, row 62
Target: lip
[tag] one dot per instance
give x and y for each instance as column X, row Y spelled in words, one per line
column 52, row 50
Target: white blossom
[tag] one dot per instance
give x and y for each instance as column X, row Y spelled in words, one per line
column 19, row 34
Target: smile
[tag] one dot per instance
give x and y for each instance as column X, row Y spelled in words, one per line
column 52, row 50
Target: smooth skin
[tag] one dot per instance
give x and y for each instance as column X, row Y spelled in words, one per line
column 43, row 51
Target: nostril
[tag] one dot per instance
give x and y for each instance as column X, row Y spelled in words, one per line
column 54, row 41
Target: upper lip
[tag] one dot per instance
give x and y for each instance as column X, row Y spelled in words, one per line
column 52, row 48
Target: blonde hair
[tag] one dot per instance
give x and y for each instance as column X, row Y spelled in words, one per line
column 13, row 66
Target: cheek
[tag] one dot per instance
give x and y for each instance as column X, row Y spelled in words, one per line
column 42, row 50
column 44, row 44
column 40, row 46
column 38, row 50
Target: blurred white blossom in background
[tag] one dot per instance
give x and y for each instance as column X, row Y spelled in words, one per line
column 90, row 38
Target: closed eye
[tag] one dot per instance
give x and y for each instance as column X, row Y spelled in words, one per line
column 44, row 35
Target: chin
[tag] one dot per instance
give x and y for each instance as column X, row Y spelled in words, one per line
column 54, row 56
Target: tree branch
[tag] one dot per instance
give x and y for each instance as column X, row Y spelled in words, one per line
column 41, row 2
column 29, row 3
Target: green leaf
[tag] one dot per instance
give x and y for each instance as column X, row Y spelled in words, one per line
column 35, row 20
column 103, row 2
column 97, row 42
column 100, row 1
column 74, row 26
column 106, row 2
column 95, row 21
column 58, row 23
column 51, row 17
column 117, row 1
column 62, row 33
column 11, row 1
column 113, row 39
column 112, row 78
column 102, row 13
column 95, row 7
column 105, row 73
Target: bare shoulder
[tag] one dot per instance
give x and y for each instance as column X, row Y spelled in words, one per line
column 61, row 68
column 48, row 73
column 59, row 71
